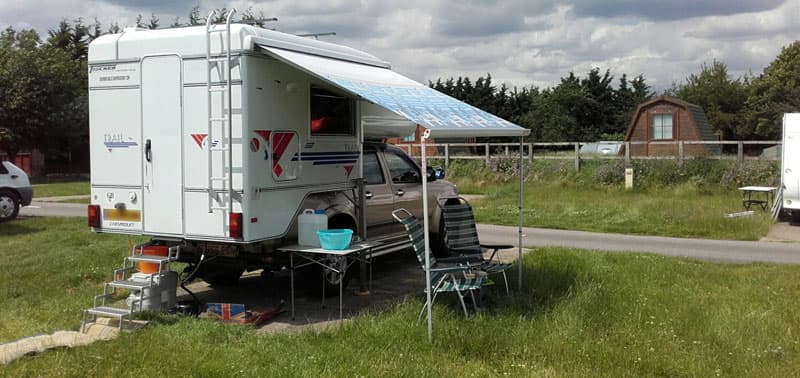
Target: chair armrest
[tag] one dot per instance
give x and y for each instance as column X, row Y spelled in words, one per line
column 474, row 258
column 495, row 248
column 451, row 269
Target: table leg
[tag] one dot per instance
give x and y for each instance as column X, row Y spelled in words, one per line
column 291, row 278
column 324, row 270
column 341, row 286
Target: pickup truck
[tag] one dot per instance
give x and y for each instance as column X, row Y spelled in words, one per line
column 393, row 180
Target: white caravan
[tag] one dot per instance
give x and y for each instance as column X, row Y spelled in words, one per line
column 790, row 164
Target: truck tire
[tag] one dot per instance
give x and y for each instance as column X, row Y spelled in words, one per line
column 220, row 275
column 330, row 278
column 9, row 205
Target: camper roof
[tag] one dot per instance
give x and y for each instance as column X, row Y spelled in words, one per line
column 134, row 43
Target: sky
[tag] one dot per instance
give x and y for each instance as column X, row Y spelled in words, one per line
column 519, row 42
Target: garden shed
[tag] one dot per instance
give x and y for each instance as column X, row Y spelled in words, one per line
column 660, row 124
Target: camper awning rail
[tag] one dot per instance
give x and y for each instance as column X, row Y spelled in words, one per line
column 442, row 114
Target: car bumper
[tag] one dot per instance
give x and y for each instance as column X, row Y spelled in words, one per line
column 26, row 196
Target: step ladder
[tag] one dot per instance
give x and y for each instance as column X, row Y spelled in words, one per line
column 122, row 279
column 220, row 188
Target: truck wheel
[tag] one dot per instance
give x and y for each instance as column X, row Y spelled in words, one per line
column 9, row 205
column 330, row 278
column 221, row 276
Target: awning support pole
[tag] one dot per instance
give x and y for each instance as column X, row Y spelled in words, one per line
column 424, row 173
column 519, row 208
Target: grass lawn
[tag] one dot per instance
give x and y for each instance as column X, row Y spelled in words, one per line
column 68, row 188
column 580, row 313
column 681, row 211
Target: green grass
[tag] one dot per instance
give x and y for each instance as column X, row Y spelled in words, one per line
column 51, row 268
column 69, row 188
column 680, row 211
column 581, row 313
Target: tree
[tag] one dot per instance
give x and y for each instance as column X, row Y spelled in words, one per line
column 775, row 92
column 40, row 96
column 154, row 22
column 721, row 97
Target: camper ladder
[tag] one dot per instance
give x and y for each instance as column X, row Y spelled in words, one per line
column 220, row 129
column 125, row 278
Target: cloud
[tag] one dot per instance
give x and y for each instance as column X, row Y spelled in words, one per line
column 670, row 10
column 519, row 42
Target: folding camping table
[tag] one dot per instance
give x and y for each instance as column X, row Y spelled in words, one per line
column 765, row 193
column 336, row 261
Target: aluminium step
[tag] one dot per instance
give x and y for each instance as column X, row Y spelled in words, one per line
column 130, row 284
column 109, row 311
column 151, row 258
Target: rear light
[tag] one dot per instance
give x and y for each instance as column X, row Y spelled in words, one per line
column 235, row 225
column 93, row 215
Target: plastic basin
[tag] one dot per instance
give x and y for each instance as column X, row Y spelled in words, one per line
column 335, row 238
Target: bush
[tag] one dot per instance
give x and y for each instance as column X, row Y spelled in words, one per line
column 752, row 172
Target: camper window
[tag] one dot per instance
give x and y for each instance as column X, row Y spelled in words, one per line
column 331, row 114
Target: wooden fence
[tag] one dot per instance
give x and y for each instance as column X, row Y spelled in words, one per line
column 744, row 150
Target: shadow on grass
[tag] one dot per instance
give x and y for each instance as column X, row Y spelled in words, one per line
column 19, row 226
column 542, row 288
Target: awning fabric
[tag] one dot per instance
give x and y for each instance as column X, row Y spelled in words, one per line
column 442, row 114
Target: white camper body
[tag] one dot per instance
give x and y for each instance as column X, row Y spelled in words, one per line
column 790, row 163
column 166, row 147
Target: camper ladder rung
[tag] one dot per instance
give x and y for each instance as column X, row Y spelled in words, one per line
column 224, row 208
column 223, row 178
column 218, row 119
column 218, row 89
column 218, row 59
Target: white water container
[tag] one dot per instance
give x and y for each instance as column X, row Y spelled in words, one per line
column 308, row 223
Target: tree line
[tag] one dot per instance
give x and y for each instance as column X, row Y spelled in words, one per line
column 592, row 108
column 44, row 96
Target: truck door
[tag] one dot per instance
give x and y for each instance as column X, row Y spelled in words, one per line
column 162, row 202
column 379, row 198
column 406, row 182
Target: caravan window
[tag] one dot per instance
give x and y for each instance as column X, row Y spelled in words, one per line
column 331, row 113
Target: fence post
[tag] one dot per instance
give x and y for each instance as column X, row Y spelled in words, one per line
column 486, row 154
column 506, row 151
column 447, row 155
column 740, row 152
column 530, row 152
column 577, row 157
column 680, row 152
column 627, row 153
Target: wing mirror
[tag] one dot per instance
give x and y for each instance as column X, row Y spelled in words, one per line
column 435, row 173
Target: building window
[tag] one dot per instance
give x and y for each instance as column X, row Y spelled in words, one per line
column 331, row 113
column 662, row 126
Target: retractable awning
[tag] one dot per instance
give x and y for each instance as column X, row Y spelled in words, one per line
column 442, row 114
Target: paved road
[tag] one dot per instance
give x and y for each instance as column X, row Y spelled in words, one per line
column 712, row 250
column 53, row 209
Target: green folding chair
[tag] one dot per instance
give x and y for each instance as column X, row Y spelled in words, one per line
column 461, row 238
column 462, row 279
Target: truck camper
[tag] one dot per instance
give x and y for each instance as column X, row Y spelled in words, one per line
column 215, row 138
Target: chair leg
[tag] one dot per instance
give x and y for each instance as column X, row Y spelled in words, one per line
column 463, row 305
column 422, row 311
column 474, row 303
column 505, row 278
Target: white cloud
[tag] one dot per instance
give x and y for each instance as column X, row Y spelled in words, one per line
column 519, row 42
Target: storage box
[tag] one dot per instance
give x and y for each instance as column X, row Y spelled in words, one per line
column 227, row 312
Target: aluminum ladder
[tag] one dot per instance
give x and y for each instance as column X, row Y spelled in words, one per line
column 220, row 127
column 122, row 280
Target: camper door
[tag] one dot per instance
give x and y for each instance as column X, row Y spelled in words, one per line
column 161, row 134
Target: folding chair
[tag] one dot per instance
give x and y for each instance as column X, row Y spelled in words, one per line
column 461, row 237
column 459, row 278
